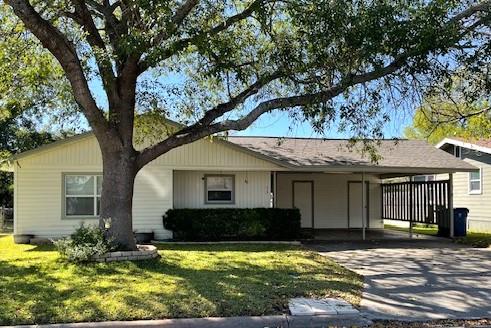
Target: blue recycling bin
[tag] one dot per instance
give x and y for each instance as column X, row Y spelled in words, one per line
column 460, row 221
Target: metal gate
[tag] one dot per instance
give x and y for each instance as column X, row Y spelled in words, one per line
column 419, row 202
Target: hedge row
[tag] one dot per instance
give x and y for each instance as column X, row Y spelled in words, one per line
column 214, row 224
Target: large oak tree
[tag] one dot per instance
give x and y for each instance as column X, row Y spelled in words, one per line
column 218, row 65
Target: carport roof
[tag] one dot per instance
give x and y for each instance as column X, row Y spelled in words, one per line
column 397, row 156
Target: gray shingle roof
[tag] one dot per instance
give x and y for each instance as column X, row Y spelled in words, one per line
column 308, row 152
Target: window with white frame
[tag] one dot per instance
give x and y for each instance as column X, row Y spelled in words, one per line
column 475, row 182
column 82, row 195
column 219, row 189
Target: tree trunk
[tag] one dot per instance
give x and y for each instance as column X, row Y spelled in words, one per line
column 117, row 198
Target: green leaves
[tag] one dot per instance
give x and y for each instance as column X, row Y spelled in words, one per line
column 364, row 57
column 437, row 120
column 30, row 77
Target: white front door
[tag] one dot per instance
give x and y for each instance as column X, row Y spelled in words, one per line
column 303, row 200
column 355, row 219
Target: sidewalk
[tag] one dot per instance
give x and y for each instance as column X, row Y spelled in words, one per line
column 276, row 321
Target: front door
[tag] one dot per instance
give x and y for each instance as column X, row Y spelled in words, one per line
column 355, row 219
column 303, row 199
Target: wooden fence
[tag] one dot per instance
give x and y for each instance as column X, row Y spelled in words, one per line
column 419, row 202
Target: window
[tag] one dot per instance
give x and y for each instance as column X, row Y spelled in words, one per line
column 456, row 152
column 219, row 189
column 475, row 182
column 423, row 178
column 82, row 195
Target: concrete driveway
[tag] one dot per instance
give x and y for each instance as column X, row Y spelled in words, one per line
column 418, row 279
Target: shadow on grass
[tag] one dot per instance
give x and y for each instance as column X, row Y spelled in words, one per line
column 42, row 248
column 232, row 291
column 235, row 287
column 189, row 281
column 30, row 295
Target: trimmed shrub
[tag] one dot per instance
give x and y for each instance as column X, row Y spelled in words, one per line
column 214, row 224
column 83, row 244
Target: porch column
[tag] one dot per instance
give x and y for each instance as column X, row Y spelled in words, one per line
column 363, row 210
column 274, row 188
column 450, row 203
column 411, row 207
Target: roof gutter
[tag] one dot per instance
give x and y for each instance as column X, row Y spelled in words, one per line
column 381, row 169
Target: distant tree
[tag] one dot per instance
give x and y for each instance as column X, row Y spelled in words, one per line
column 14, row 139
column 30, row 79
column 437, row 121
column 219, row 65
column 458, row 103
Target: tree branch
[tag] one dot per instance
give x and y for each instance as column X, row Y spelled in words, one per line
column 183, row 11
column 484, row 6
column 198, row 131
column 451, row 119
column 99, row 49
column 64, row 51
column 112, row 25
column 179, row 45
column 176, row 20
column 235, row 101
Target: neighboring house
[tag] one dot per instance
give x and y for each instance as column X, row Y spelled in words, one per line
column 472, row 189
column 57, row 186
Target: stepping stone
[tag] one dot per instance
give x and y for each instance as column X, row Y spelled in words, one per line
column 327, row 306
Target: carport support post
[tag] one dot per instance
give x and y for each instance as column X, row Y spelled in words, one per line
column 363, row 211
column 411, row 209
column 450, row 204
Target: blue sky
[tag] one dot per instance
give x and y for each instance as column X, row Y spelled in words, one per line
column 280, row 124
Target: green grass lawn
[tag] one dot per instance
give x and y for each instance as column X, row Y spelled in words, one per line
column 431, row 230
column 474, row 239
column 188, row 281
column 423, row 230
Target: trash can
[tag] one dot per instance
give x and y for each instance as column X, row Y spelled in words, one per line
column 460, row 221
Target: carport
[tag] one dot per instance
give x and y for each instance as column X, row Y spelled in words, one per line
column 338, row 187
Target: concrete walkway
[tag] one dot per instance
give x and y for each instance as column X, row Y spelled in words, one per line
column 232, row 322
column 357, row 235
column 417, row 280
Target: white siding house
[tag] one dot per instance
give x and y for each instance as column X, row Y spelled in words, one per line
column 39, row 198
column 57, row 186
column 472, row 189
